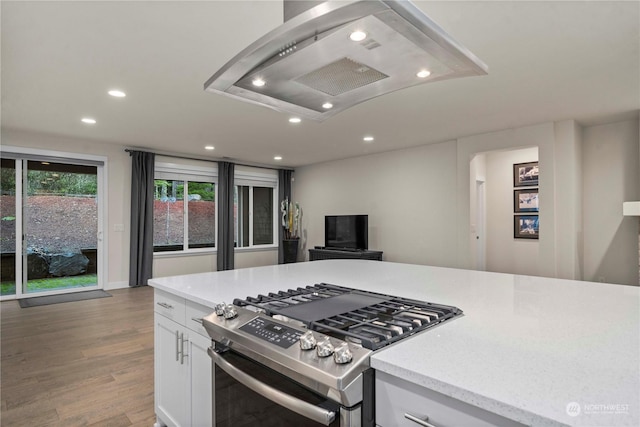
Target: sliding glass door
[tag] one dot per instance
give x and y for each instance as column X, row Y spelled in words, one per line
column 55, row 207
column 60, row 226
column 8, row 226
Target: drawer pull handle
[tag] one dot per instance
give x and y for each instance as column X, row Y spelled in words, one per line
column 197, row 319
column 165, row 305
column 420, row 421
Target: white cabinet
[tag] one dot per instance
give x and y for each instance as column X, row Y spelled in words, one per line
column 396, row 397
column 201, row 385
column 171, row 376
column 183, row 385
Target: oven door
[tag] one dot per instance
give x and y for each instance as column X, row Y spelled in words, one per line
column 247, row 393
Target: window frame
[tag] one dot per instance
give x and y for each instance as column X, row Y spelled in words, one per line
column 256, row 179
column 186, row 174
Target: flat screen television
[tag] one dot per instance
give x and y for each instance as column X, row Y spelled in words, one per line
column 349, row 232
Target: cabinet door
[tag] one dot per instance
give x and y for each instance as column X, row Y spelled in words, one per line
column 201, row 383
column 396, row 397
column 171, row 376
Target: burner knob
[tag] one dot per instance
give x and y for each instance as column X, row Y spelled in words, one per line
column 307, row 341
column 324, row 348
column 230, row 312
column 220, row 308
column 342, row 354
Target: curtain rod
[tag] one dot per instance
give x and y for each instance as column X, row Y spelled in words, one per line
column 129, row 150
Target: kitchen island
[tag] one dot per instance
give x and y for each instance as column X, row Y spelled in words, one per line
column 537, row 351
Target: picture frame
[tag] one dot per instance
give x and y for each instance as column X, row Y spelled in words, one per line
column 525, row 174
column 525, row 200
column 526, row 227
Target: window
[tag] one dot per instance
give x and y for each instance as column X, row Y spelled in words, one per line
column 184, row 211
column 255, row 210
column 184, row 217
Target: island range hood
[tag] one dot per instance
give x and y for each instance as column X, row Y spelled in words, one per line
column 329, row 56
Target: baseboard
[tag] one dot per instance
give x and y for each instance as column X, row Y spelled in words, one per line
column 116, row 285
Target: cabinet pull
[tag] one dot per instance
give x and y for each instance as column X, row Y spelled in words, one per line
column 197, row 319
column 177, row 346
column 420, row 421
column 182, row 352
column 165, row 305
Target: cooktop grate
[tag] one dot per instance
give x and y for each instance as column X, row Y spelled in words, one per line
column 371, row 319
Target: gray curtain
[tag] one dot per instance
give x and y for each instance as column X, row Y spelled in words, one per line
column 225, row 216
column 141, row 242
column 284, row 192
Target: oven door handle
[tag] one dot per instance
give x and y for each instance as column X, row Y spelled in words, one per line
column 285, row 400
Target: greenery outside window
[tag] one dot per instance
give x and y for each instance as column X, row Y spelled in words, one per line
column 184, row 214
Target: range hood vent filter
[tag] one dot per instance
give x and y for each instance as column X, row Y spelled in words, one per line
column 340, row 77
column 310, row 60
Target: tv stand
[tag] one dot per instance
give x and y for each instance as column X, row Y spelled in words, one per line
column 320, row 252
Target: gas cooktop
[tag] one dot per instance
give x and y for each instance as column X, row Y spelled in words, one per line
column 370, row 319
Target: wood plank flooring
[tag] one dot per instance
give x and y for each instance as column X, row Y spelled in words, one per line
column 84, row 363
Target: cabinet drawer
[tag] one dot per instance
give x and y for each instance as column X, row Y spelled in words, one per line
column 169, row 305
column 396, row 397
column 194, row 314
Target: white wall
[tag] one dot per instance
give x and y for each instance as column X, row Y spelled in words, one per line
column 568, row 184
column 419, row 200
column 541, row 136
column 409, row 195
column 504, row 253
column 611, row 176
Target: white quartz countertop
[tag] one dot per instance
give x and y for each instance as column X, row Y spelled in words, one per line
column 536, row 350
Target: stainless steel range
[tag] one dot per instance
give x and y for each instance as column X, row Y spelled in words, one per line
column 301, row 357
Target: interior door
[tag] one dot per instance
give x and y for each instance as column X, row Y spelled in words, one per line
column 481, row 243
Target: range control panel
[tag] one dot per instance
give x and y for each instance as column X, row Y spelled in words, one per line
column 276, row 333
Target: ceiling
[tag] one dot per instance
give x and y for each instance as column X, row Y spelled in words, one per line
column 547, row 61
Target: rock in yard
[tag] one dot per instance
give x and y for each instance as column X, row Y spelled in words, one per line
column 37, row 265
column 70, row 264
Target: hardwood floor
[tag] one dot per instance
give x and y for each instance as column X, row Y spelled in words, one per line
column 85, row 363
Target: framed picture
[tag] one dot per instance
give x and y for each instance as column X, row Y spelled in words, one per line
column 525, row 174
column 525, row 227
column 525, row 200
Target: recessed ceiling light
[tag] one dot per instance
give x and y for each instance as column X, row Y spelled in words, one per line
column 294, row 120
column 88, row 121
column 209, row 147
column 258, row 82
column 358, row 36
column 277, row 158
column 327, row 105
column 367, row 138
column 117, row 93
column 423, row 73
column 45, row 163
